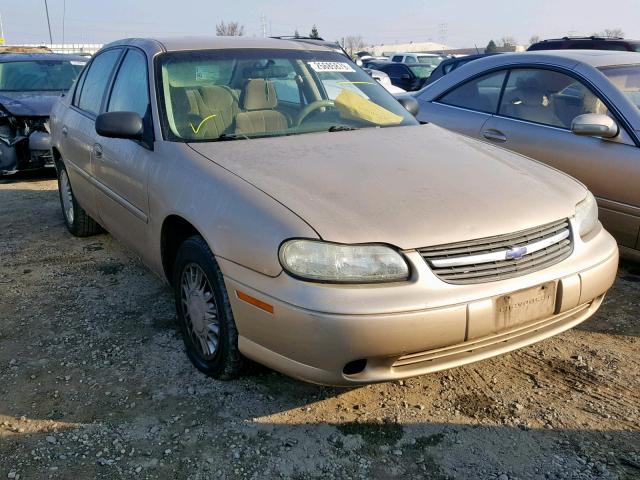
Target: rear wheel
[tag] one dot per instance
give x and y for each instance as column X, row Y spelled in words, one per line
column 204, row 312
column 78, row 221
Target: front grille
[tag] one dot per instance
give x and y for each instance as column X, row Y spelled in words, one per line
column 504, row 256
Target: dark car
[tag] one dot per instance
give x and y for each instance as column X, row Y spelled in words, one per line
column 409, row 76
column 29, row 85
column 587, row 43
column 450, row 64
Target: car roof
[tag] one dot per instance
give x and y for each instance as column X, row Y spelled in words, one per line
column 15, row 57
column 170, row 44
column 566, row 58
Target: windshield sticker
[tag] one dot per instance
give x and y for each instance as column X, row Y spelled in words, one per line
column 206, row 72
column 331, row 67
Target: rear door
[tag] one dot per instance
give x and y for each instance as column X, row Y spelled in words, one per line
column 78, row 127
column 466, row 107
column 121, row 165
column 534, row 118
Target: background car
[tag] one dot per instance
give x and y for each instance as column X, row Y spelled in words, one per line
column 431, row 59
column 29, row 85
column 575, row 110
column 586, row 43
column 384, row 80
column 408, row 76
column 450, row 64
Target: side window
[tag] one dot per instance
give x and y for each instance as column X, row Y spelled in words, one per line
column 130, row 90
column 547, row 97
column 481, row 94
column 396, row 58
column 78, row 89
column 96, row 80
column 395, row 71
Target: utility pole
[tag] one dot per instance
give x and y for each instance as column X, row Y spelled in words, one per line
column 64, row 12
column 46, row 8
column 2, row 40
column 263, row 25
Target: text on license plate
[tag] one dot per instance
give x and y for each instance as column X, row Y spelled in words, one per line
column 525, row 305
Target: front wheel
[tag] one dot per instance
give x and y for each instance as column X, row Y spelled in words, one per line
column 78, row 221
column 204, row 312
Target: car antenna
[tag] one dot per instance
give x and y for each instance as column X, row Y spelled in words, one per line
column 477, row 51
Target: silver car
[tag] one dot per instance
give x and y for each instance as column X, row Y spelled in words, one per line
column 576, row 110
column 307, row 221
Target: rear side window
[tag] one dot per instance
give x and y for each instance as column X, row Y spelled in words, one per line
column 397, row 58
column 481, row 94
column 96, row 80
column 130, row 91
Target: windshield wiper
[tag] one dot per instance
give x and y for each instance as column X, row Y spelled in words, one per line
column 231, row 136
column 341, row 128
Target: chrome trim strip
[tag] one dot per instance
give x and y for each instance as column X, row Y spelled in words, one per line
column 501, row 255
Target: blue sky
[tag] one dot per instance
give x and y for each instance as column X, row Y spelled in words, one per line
column 468, row 22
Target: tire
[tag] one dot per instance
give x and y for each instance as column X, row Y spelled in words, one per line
column 210, row 339
column 77, row 220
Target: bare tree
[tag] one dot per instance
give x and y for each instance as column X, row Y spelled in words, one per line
column 507, row 41
column 353, row 44
column 613, row 33
column 534, row 39
column 231, row 29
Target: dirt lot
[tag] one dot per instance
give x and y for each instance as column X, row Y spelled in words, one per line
column 94, row 383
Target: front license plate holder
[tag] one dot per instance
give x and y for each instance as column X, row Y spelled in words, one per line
column 525, row 306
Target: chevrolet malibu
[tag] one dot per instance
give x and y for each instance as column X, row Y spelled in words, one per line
column 305, row 219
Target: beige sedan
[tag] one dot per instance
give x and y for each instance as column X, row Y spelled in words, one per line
column 308, row 222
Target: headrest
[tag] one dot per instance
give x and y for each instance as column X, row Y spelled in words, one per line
column 220, row 97
column 259, row 94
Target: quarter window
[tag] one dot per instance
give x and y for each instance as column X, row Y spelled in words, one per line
column 96, row 81
column 547, row 97
column 481, row 94
column 130, row 91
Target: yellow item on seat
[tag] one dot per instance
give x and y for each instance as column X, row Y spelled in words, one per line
column 355, row 107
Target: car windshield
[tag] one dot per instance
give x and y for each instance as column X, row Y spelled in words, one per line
column 39, row 75
column 433, row 61
column 422, row 71
column 626, row 78
column 211, row 95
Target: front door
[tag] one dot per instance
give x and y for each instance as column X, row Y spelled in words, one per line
column 121, row 165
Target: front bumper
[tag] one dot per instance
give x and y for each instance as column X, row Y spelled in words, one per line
column 403, row 330
column 27, row 153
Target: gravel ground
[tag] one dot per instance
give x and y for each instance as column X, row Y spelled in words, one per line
column 94, row 384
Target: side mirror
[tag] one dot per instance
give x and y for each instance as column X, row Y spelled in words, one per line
column 409, row 103
column 120, row 125
column 595, row 125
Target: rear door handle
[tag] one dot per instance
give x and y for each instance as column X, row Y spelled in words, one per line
column 65, row 131
column 494, row 135
column 97, row 151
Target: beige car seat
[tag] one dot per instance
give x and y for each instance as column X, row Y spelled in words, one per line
column 259, row 101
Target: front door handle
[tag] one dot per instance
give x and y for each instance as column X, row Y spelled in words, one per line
column 97, row 151
column 494, row 135
column 65, row 131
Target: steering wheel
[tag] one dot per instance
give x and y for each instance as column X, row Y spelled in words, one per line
column 312, row 107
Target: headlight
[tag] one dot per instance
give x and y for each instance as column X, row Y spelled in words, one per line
column 587, row 215
column 330, row 262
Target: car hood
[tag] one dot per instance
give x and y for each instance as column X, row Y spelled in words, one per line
column 412, row 187
column 29, row 104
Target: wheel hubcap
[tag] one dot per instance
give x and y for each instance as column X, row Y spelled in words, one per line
column 66, row 196
column 199, row 309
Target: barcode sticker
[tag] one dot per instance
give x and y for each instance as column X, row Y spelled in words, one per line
column 331, row 67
